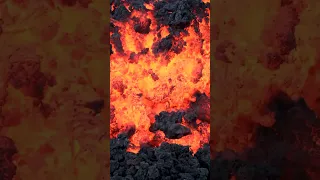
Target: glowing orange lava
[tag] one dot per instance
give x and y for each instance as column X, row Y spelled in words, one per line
column 155, row 83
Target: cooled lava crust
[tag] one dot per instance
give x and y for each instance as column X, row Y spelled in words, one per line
column 166, row 162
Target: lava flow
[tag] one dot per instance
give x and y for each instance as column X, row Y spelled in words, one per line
column 160, row 72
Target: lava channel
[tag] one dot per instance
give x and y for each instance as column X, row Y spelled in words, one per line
column 160, row 72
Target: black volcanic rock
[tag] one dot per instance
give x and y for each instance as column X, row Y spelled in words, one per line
column 179, row 14
column 169, row 123
column 200, row 109
column 120, row 13
column 169, row 161
column 116, row 40
column 201, row 106
column 177, row 131
column 176, row 15
column 164, row 45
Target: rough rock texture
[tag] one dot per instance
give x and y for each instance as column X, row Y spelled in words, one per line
column 169, row 123
column 176, row 15
column 201, row 107
column 167, row 162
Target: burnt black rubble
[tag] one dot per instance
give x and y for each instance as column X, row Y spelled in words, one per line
column 170, row 124
column 168, row 43
column 284, row 151
column 120, row 13
column 163, row 45
column 179, row 14
column 167, row 162
column 200, row 109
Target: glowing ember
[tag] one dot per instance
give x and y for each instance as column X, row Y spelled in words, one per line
column 155, row 68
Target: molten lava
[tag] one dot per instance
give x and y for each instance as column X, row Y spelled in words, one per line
column 156, row 68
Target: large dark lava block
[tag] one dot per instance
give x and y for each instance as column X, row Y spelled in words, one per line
column 169, row 123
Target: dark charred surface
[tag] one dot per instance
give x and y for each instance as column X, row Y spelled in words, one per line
column 287, row 150
column 169, row 123
column 121, row 13
column 167, row 162
column 7, row 150
column 179, row 14
column 200, row 109
column 164, row 45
